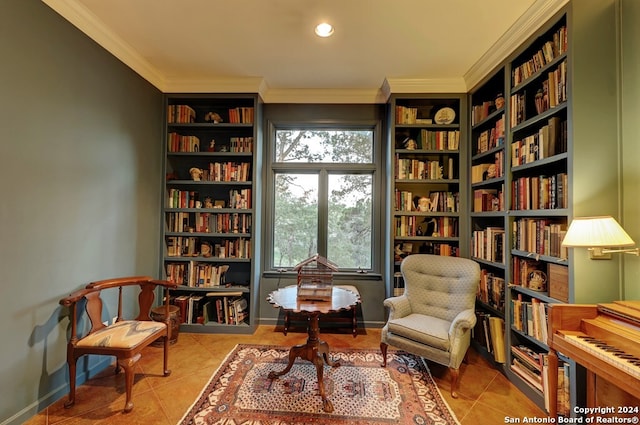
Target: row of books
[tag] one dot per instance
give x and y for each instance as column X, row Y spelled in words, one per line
column 435, row 248
column 439, row 201
column 549, row 140
column 197, row 275
column 491, row 290
column 409, row 115
column 180, row 143
column 482, row 111
column 522, row 269
column 432, row 140
column 540, row 192
column 415, row 169
column 489, row 333
column 446, row 227
column 485, row 200
column 488, row 244
column 242, row 114
column 229, row 308
column 227, row 172
column 206, row 222
column 491, row 138
column 531, row 365
column 530, row 317
column 181, row 114
column 548, row 51
column 490, row 170
column 540, row 236
column 238, row 199
column 192, row 246
column 552, row 93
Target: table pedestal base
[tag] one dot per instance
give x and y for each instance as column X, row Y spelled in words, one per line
column 315, row 351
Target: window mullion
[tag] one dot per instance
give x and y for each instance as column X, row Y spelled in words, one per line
column 323, row 211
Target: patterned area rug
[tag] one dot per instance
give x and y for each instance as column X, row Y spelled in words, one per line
column 361, row 391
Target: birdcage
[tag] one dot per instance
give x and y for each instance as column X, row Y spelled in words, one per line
column 315, row 278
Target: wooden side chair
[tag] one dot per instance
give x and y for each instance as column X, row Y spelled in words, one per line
column 123, row 339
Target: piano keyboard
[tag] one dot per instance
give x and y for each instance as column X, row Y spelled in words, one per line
column 610, row 354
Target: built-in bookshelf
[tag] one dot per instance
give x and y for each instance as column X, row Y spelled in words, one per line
column 210, row 217
column 426, row 133
column 488, row 212
column 538, row 202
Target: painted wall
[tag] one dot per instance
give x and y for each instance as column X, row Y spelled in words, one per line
column 80, row 158
column 630, row 113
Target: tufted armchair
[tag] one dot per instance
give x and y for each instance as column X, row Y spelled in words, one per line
column 435, row 315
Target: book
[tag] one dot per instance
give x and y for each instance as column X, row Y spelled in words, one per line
column 497, row 338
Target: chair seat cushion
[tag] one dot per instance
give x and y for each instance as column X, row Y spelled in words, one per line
column 423, row 329
column 124, row 334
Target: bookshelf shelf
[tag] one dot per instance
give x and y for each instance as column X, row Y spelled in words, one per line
column 210, row 215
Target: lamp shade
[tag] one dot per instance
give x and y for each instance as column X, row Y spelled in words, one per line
column 601, row 231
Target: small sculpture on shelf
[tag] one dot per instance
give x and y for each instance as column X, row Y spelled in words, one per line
column 208, row 203
column 537, row 281
column 212, row 146
column 196, row 174
column 424, row 204
column 213, row 117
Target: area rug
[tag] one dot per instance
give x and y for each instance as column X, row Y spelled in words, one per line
column 362, row 392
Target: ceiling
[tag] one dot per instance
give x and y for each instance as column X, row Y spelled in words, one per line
column 268, row 46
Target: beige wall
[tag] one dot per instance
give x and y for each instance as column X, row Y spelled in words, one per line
column 630, row 114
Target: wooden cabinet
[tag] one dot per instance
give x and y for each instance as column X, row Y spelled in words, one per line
column 428, row 162
column 209, row 212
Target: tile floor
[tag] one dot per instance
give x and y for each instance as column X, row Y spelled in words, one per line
column 486, row 396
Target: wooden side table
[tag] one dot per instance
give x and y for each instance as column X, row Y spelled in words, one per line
column 314, row 350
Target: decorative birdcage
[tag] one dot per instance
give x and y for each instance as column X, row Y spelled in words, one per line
column 315, row 278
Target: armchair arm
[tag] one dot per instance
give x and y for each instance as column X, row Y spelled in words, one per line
column 398, row 307
column 464, row 321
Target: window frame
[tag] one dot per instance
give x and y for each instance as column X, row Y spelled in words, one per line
column 323, row 169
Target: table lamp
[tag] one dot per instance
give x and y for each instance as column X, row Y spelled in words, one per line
column 598, row 235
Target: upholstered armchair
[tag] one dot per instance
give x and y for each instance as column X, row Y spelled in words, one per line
column 435, row 315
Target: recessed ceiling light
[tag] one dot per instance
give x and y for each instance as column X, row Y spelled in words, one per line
column 324, row 30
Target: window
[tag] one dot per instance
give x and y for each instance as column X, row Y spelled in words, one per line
column 323, row 195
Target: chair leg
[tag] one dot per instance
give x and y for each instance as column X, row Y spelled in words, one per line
column 128, row 366
column 166, row 370
column 383, row 348
column 71, row 361
column 455, row 376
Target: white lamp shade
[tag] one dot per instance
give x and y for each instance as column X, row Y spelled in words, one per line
column 601, row 231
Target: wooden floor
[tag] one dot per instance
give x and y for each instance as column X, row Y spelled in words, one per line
column 486, row 396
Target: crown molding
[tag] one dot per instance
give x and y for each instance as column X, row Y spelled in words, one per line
column 423, row 85
column 215, row 85
column 88, row 23
column 536, row 16
column 362, row 96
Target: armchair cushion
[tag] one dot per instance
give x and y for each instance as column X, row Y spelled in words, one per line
column 422, row 329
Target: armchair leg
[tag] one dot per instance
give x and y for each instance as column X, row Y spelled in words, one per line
column 455, row 375
column 383, row 348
